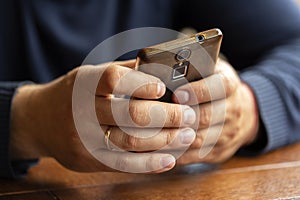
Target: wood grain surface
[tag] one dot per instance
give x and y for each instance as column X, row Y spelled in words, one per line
column 275, row 175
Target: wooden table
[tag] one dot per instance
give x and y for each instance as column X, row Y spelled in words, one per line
column 275, row 175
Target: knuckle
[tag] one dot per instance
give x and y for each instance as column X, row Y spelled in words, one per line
column 200, row 92
column 137, row 115
column 175, row 116
column 169, row 138
column 134, row 113
column 238, row 109
column 198, row 141
column 204, row 116
column 112, row 77
column 230, row 83
column 222, row 141
column 131, row 143
column 150, row 88
column 236, row 130
column 234, row 110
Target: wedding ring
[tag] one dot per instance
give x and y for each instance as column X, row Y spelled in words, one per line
column 106, row 137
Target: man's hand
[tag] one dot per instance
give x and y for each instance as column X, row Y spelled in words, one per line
column 45, row 120
column 227, row 115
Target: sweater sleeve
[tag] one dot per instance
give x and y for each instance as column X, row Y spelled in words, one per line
column 9, row 168
column 275, row 82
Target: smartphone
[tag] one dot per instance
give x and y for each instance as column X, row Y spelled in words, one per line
column 181, row 61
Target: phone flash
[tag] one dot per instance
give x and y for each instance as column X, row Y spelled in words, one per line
column 180, row 70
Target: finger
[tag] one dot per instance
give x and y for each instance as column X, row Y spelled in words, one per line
column 220, row 136
column 141, row 140
column 217, row 86
column 136, row 162
column 119, row 80
column 213, row 145
column 142, row 113
column 210, row 113
column 204, row 90
column 126, row 63
column 209, row 137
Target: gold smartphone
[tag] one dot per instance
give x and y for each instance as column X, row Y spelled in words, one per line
column 183, row 60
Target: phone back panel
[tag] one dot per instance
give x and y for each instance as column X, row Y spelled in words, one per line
column 182, row 60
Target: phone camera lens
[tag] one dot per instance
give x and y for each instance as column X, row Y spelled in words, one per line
column 200, row 38
column 183, row 54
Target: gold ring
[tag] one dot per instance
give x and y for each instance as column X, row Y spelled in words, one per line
column 106, row 137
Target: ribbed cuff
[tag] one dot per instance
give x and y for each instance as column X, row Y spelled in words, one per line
column 6, row 95
column 8, row 168
column 271, row 108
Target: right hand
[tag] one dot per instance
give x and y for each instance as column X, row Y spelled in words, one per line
column 43, row 121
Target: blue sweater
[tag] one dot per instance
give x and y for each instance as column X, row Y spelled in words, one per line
column 41, row 40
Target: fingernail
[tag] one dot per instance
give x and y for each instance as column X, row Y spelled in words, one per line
column 187, row 136
column 189, row 116
column 167, row 161
column 160, row 89
column 182, row 96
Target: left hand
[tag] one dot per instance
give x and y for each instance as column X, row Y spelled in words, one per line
column 227, row 115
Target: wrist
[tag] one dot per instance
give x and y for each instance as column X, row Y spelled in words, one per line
column 23, row 144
